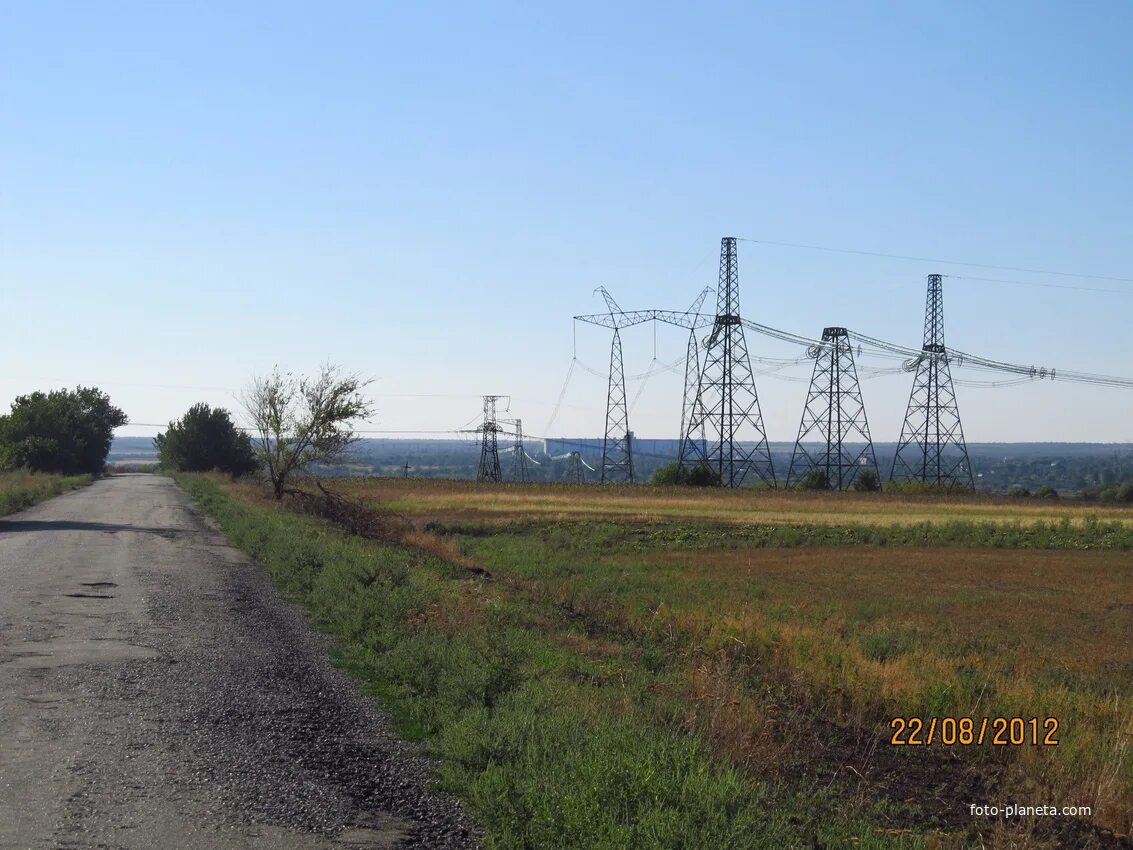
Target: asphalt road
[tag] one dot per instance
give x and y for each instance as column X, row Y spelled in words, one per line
column 156, row 693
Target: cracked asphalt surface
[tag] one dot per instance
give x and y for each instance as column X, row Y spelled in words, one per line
column 156, row 693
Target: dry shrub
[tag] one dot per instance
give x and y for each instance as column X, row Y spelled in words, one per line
column 738, row 726
column 377, row 523
column 451, row 615
column 352, row 515
column 441, row 549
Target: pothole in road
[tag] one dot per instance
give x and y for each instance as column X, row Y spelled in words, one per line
column 89, row 595
column 375, row 830
column 98, row 584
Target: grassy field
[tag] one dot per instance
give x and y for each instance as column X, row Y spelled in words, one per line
column 466, row 500
column 19, row 490
column 721, row 669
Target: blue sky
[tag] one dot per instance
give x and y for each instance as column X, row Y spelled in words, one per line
column 425, row 193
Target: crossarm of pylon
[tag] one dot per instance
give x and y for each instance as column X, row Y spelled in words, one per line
column 615, row 321
column 684, row 320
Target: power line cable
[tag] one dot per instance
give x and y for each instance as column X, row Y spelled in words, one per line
column 1025, row 270
column 1041, row 285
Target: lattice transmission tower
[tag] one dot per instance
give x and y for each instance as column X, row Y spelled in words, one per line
column 617, row 445
column 575, row 465
column 519, row 458
column 691, row 399
column 726, row 406
column 834, row 414
column 489, row 429
column 932, row 447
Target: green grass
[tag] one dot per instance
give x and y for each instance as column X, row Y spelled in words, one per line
column 945, row 620
column 20, row 490
column 554, row 736
column 1089, row 532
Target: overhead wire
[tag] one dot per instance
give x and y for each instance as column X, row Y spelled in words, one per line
column 1024, row 270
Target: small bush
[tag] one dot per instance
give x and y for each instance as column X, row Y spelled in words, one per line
column 868, row 481
column 815, row 479
column 700, row 475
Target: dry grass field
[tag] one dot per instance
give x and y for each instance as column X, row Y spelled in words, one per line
column 465, row 499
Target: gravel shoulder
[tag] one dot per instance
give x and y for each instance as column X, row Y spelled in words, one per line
column 156, row 692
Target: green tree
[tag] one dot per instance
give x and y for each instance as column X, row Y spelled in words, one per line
column 303, row 421
column 66, row 431
column 206, row 438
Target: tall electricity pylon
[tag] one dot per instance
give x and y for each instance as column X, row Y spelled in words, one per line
column 489, row 429
column 690, row 402
column 519, row 459
column 617, row 445
column 726, row 404
column 932, row 447
column 835, row 414
column 617, row 449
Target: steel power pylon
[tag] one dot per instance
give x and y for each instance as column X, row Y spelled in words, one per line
column 489, row 429
column 726, row 403
column 691, row 399
column 617, row 451
column 575, row 473
column 519, row 459
column 575, row 465
column 835, row 414
column 617, row 448
column 932, row 447
column 617, row 445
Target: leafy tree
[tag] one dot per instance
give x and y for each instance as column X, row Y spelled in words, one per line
column 206, row 438
column 67, row 431
column 302, row 421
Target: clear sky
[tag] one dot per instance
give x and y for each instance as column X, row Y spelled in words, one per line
column 425, row 193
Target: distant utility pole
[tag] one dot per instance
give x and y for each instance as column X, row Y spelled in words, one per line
column 489, row 429
column 575, row 465
column 575, row 475
column 835, row 413
column 932, row 447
